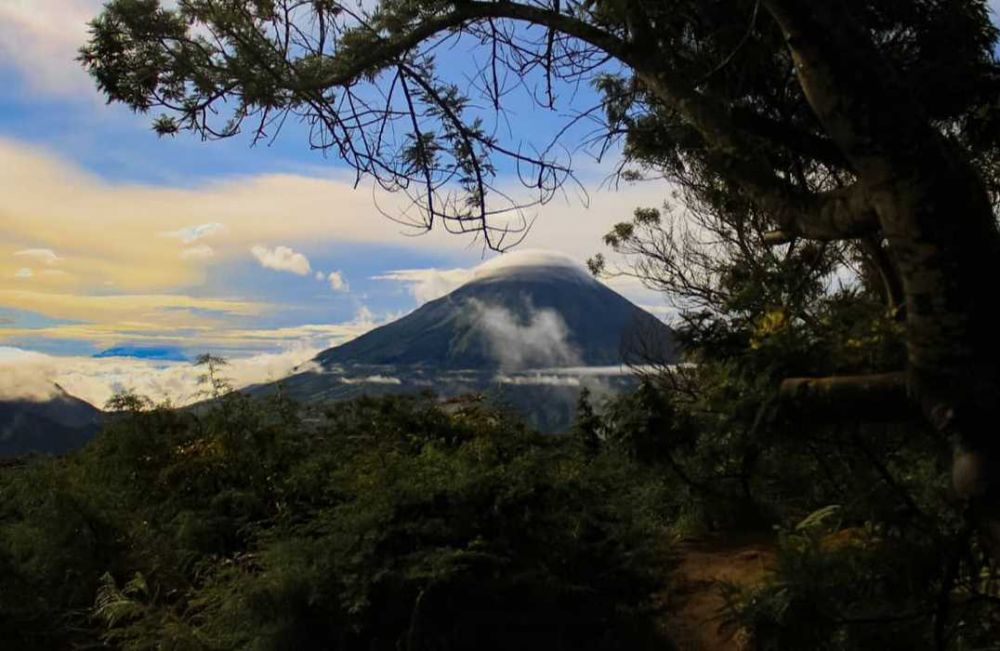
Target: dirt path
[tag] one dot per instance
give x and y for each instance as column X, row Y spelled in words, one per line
column 693, row 598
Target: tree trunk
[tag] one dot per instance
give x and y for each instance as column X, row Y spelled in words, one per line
column 936, row 216
column 942, row 234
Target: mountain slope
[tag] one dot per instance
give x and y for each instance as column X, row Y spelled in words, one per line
column 53, row 426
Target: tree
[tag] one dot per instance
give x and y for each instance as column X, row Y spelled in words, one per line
column 848, row 120
column 586, row 426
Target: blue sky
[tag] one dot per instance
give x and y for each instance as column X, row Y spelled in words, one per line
column 114, row 237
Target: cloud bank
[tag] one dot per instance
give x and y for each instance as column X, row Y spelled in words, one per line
column 26, row 375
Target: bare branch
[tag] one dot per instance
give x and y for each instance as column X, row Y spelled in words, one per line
column 881, row 397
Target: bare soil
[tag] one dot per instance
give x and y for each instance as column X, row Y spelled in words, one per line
column 693, row 599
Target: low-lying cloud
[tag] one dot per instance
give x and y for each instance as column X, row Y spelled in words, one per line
column 541, row 339
column 371, row 379
column 27, row 375
column 540, row 380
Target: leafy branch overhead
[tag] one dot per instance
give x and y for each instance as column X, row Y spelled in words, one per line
column 368, row 85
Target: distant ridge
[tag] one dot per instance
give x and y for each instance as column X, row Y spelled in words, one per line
column 160, row 353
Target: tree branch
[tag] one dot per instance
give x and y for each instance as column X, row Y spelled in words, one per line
column 858, row 97
column 892, row 285
column 845, row 213
column 344, row 71
column 797, row 140
column 882, row 397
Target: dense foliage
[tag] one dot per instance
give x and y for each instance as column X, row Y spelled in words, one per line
column 387, row 524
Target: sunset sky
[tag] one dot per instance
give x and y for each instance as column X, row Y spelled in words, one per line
column 114, row 237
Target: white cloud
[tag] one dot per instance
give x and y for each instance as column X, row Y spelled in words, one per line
column 24, row 272
column 428, row 284
column 52, row 203
column 323, row 335
column 33, row 376
column 25, row 375
column 337, row 282
column 370, row 379
column 44, row 256
column 364, row 315
column 190, row 234
column 520, row 258
column 540, row 380
column 200, row 252
column 281, row 258
column 320, row 276
column 41, row 38
column 516, row 343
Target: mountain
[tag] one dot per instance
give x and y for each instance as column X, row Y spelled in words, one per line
column 55, row 425
column 159, row 353
column 512, row 317
column 526, row 330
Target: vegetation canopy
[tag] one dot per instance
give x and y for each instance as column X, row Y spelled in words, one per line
column 394, row 525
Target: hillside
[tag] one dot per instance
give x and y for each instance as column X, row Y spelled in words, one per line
column 52, row 426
